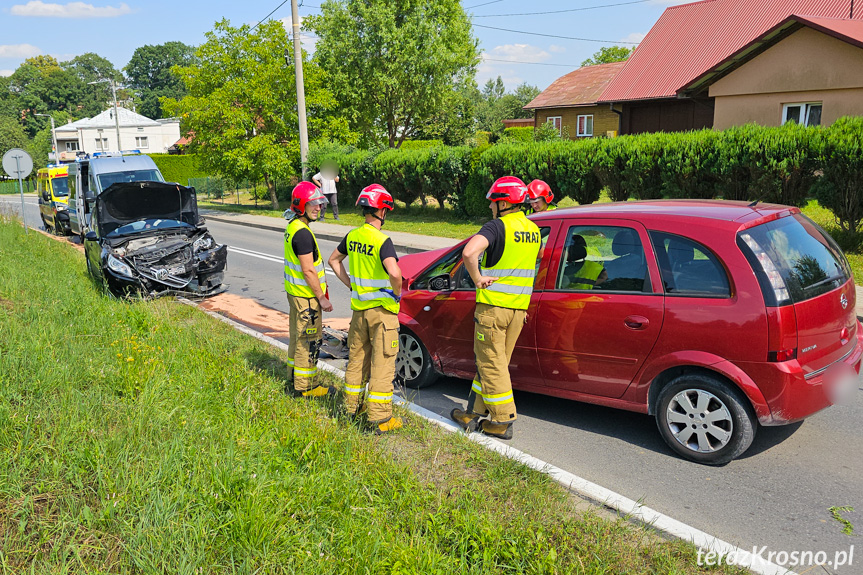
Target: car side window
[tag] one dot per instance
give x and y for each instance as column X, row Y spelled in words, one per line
column 445, row 265
column 603, row 258
column 463, row 281
column 688, row 268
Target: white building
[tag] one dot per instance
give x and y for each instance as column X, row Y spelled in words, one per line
column 99, row 134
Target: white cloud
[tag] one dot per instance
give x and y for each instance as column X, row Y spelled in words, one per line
column 70, row 10
column 19, row 51
column 6, row 72
column 517, row 53
column 636, row 37
column 308, row 40
column 555, row 49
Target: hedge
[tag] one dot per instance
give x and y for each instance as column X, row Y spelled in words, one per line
column 179, row 167
column 784, row 165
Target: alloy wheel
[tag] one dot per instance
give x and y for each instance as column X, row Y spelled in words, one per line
column 700, row 421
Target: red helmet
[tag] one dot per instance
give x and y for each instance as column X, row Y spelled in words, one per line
column 507, row 188
column 375, row 196
column 539, row 189
column 306, row 194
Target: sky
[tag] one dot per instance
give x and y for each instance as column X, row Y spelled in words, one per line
column 534, row 42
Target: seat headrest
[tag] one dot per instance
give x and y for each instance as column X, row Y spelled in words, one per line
column 577, row 249
column 625, row 242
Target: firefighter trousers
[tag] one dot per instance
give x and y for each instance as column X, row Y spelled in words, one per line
column 373, row 342
column 305, row 345
column 496, row 329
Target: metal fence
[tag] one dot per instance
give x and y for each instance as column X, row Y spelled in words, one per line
column 228, row 191
column 11, row 187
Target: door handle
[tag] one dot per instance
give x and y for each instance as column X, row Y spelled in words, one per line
column 636, row 322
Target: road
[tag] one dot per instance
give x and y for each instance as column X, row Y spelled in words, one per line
column 776, row 495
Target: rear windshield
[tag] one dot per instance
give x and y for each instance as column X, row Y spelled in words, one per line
column 794, row 259
column 61, row 186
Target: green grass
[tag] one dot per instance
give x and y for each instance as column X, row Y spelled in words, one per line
column 147, row 437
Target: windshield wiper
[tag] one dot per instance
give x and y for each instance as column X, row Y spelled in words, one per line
column 825, row 281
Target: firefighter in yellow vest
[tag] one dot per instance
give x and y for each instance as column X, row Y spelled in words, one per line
column 375, row 281
column 306, row 286
column 539, row 196
column 504, row 283
column 580, row 273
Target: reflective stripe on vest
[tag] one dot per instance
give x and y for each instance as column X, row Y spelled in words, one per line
column 517, row 266
column 586, row 276
column 295, row 282
column 367, row 272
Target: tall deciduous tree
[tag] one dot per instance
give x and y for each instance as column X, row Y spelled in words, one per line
column 609, row 54
column 149, row 74
column 494, row 104
column 241, row 105
column 394, row 66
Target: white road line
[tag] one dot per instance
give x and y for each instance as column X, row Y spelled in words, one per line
column 267, row 257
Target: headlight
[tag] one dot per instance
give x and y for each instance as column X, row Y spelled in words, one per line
column 203, row 243
column 60, row 207
column 118, row 266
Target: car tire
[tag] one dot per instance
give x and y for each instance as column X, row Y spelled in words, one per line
column 705, row 419
column 414, row 365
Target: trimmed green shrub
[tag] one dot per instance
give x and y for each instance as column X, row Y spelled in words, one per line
column 482, row 138
column 179, row 167
column 840, row 188
column 420, row 144
column 785, row 162
column 689, row 165
column 523, row 135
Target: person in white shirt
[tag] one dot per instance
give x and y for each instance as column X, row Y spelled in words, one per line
column 326, row 180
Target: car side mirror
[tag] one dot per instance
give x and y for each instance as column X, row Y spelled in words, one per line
column 45, row 196
column 442, row 282
column 90, row 236
column 89, row 196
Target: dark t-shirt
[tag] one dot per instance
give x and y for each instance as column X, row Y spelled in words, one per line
column 303, row 243
column 495, row 232
column 387, row 249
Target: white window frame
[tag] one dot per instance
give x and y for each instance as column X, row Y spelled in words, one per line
column 586, row 133
column 556, row 122
column 71, row 146
column 805, row 108
column 101, row 144
column 144, row 139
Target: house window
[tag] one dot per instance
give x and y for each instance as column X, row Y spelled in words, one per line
column 805, row 114
column 141, row 142
column 71, row 146
column 585, row 126
column 555, row 122
column 102, row 144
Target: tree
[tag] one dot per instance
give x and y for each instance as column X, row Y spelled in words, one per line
column 608, row 55
column 241, row 105
column 149, row 74
column 89, row 67
column 11, row 135
column 494, row 104
column 393, row 65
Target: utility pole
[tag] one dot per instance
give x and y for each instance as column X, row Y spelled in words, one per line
column 53, row 138
column 301, row 91
column 116, row 115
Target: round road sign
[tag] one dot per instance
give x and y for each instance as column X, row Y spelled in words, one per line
column 17, row 163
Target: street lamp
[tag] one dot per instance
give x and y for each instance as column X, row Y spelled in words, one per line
column 53, row 137
column 116, row 115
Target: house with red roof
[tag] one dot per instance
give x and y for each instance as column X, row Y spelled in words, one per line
column 721, row 63
column 571, row 102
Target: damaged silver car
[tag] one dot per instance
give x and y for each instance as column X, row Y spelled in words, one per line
column 147, row 239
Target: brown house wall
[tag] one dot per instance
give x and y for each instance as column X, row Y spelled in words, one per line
column 666, row 116
column 604, row 120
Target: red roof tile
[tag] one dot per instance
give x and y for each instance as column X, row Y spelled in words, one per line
column 579, row 88
column 690, row 39
column 845, row 29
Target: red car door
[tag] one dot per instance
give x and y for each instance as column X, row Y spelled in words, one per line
column 452, row 322
column 597, row 328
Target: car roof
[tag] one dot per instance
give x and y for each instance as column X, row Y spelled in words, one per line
column 733, row 213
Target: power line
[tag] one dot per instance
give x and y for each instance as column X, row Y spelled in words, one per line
column 563, row 11
column 532, row 63
column 556, row 36
column 483, row 4
column 268, row 15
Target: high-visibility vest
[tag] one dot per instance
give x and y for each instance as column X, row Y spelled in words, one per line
column 368, row 275
column 517, row 267
column 586, row 275
column 295, row 283
column 550, row 208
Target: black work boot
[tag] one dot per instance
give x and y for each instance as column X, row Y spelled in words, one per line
column 466, row 420
column 495, row 429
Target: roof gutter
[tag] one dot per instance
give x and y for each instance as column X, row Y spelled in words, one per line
column 619, row 116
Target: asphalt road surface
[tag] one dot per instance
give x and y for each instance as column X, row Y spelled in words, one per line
column 777, row 495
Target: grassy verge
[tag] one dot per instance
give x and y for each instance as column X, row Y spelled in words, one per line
column 146, row 437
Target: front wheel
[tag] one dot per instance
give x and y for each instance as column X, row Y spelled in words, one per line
column 413, row 362
column 704, row 419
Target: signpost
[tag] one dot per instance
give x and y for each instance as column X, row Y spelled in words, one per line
column 18, row 164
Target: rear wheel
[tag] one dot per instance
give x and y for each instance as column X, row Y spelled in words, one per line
column 705, row 419
column 413, row 362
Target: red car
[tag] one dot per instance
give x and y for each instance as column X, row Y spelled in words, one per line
column 712, row 316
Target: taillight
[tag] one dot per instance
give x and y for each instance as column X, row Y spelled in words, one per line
column 773, row 276
column 782, row 355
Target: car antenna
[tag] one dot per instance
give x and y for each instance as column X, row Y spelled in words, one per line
column 752, row 205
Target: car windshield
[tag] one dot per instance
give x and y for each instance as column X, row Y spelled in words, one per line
column 796, row 258
column 61, row 186
column 105, row 180
column 146, row 225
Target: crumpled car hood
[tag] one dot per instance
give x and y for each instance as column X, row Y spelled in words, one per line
column 127, row 202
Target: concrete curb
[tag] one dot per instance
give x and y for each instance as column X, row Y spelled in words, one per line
column 589, row 490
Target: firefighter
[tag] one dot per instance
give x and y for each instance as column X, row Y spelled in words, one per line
column 539, row 195
column 375, row 281
column 306, row 286
column 504, row 284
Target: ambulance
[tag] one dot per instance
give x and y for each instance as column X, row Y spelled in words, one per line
column 53, row 191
